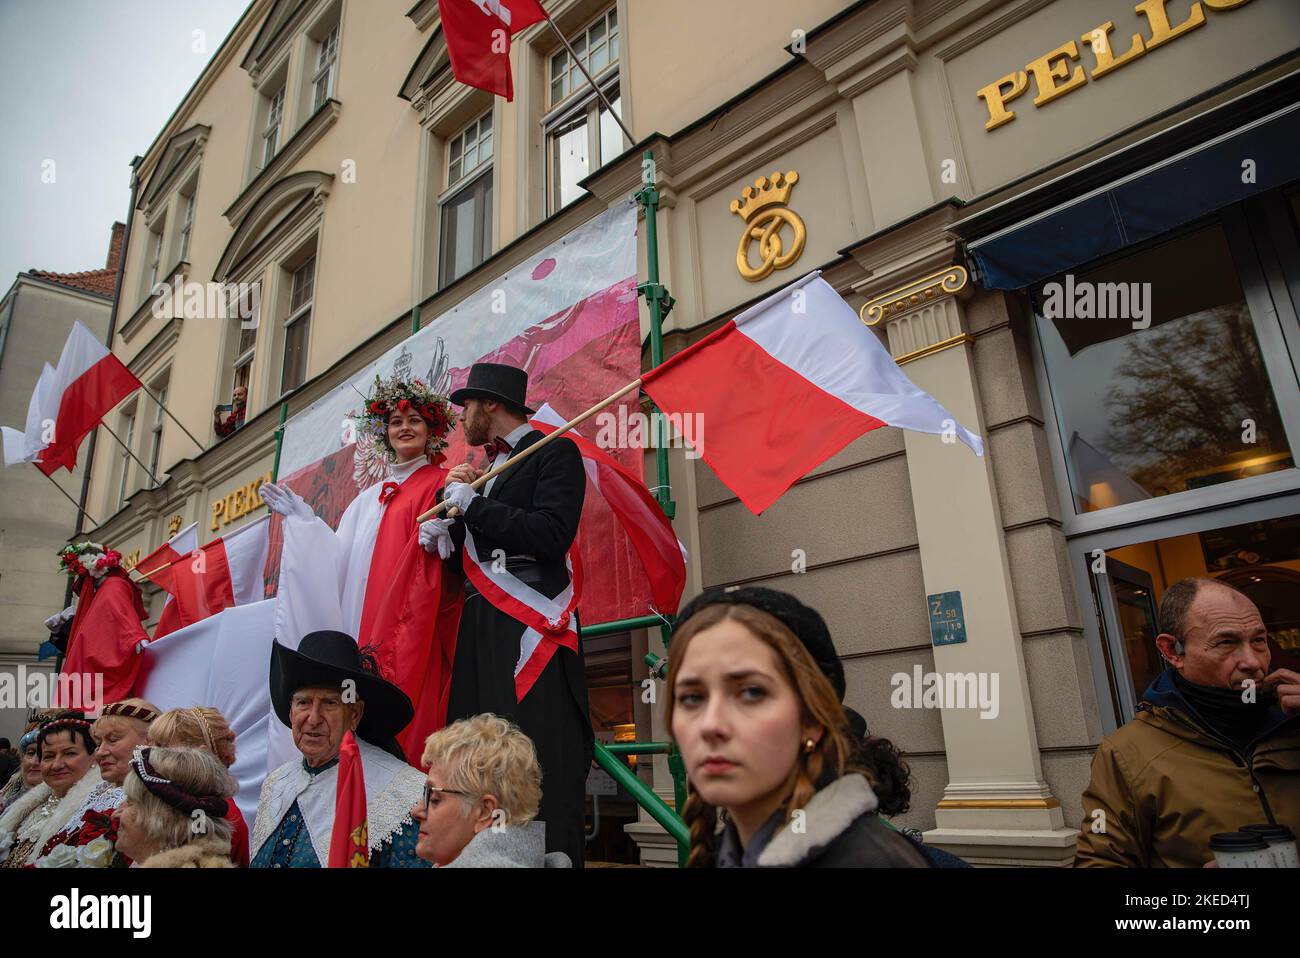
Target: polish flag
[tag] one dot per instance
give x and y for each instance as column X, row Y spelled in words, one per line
column 350, row 837
column 173, row 550
column 227, row 571
column 662, row 555
column 26, row 445
column 787, row 384
column 478, row 36
column 88, row 382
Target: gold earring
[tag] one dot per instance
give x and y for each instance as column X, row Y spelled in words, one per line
column 809, row 745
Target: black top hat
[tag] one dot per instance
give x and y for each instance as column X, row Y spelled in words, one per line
column 326, row 660
column 495, row 381
column 805, row 622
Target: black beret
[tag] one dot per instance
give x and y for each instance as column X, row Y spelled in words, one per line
column 805, row 622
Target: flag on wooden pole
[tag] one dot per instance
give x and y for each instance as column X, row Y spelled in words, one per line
column 787, row 384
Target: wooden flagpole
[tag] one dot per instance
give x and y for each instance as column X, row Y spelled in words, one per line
column 513, row 460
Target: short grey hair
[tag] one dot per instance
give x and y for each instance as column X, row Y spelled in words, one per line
column 1176, row 605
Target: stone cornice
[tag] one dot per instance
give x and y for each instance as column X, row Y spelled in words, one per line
column 305, row 137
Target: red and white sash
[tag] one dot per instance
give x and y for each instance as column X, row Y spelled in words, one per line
column 549, row 623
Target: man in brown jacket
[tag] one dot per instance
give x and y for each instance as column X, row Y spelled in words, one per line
column 1215, row 744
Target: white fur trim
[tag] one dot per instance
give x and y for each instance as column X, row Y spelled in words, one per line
column 69, row 805
column 829, row 813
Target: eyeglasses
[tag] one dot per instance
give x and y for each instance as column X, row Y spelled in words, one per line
column 430, row 789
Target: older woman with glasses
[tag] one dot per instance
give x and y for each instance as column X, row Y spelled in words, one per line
column 481, row 798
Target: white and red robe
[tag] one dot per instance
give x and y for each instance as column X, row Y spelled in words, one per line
column 372, row 580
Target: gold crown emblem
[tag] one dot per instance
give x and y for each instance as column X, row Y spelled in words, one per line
column 764, row 193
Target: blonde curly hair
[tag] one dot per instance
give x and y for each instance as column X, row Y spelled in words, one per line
column 488, row 755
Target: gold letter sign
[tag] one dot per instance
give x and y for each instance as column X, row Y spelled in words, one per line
column 765, row 213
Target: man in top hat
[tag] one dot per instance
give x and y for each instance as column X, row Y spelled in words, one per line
column 517, row 651
column 322, row 691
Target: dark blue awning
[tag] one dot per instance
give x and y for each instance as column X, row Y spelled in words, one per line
column 1144, row 204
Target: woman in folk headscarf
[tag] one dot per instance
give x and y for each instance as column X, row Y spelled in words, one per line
column 68, row 775
column 28, row 775
column 206, row 729
column 89, row 835
column 174, row 812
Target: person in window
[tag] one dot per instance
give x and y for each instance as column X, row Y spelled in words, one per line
column 754, row 706
column 1215, row 744
column 226, row 420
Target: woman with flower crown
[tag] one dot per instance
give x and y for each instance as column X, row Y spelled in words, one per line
column 107, row 633
column 374, row 577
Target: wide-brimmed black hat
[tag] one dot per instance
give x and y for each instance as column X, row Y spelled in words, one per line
column 495, row 381
column 326, row 660
column 805, row 622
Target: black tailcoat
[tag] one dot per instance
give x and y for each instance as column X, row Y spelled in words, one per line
column 531, row 514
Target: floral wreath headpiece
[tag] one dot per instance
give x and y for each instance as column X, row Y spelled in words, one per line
column 88, row 558
column 395, row 393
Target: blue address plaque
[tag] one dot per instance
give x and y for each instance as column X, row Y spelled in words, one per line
column 947, row 623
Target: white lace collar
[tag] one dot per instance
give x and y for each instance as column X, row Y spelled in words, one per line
column 392, row 787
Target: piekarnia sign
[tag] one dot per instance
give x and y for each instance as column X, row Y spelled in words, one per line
column 78, row 911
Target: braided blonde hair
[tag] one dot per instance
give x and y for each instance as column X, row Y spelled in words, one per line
column 819, row 705
column 198, row 727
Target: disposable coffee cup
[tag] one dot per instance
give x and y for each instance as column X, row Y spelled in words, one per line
column 1281, row 840
column 1241, row 850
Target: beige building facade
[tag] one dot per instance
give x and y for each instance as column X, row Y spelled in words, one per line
column 36, row 316
column 953, row 167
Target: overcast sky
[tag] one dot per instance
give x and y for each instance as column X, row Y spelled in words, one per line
column 87, row 84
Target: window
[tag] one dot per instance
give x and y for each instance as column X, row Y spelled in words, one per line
column 326, row 68
column 581, row 135
column 187, row 227
column 297, row 326
column 155, row 253
column 466, row 224
column 1155, row 382
column 155, row 435
column 271, row 133
column 127, row 431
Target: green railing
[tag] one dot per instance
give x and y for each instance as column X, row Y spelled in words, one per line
column 609, row 757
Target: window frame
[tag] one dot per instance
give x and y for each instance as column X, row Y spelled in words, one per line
column 126, row 424
column 580, row 100
column 294, row 316
column 156, row 430
column 326, row 70
column 270, row 134
column 187, row 223
column 1268, row 328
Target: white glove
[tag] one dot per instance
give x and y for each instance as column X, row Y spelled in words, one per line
column 435, row 536
column 58, row 618
column 460, row 495
column 283, row 500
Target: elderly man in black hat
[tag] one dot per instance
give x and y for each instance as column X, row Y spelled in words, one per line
column 517, row 651
column 321, row 691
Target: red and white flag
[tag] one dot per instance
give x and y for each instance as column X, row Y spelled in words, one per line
column 350, row 837
column 173, row 550
column 478, row 36
column 662, row 555
column 26, row 445
column 88, row 382
column 227, row 571
column 787, row 384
